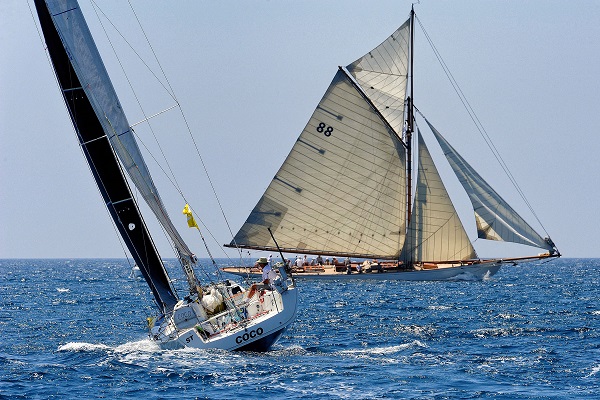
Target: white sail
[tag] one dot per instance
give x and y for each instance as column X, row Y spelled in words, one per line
column 341, row 190
column 495, row 218
column 383, row 75
column 435, row 232
column 86, row 61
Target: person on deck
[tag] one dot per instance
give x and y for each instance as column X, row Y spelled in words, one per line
column 348, row 264
column 268, row 276
column 299, row 263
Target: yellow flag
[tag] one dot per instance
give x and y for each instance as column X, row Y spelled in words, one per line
column 190, row 218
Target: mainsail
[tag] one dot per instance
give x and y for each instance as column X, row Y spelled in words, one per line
column 341, row 189
column 103, row 130
column 87, row 64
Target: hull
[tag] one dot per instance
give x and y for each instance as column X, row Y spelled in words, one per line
column 265, row 318
column 464, row 272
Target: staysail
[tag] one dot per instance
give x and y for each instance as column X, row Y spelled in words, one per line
column 341, row 190
column 97, row 116
column 435, row 232
column 495, row 218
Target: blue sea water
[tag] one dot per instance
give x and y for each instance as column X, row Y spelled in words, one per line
column 76, row 329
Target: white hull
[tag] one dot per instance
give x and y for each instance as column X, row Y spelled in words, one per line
column 254, row 325
column 465, row 272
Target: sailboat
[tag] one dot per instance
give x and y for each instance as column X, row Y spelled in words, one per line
column 223, row 315
column 347, row 191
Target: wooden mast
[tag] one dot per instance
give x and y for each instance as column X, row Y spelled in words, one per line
column 409, row 127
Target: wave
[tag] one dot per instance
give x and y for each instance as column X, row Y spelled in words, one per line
column 385, row 349
column 83, row 347
column 594, row 371
column 467, row 276
column 145, row 345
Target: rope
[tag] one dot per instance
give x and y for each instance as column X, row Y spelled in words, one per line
column 169, row 89
column 172, row 92
column 479, row 125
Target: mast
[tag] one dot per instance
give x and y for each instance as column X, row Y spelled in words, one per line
column 409, row 126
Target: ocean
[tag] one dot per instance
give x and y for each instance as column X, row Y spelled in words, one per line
column 76, row 329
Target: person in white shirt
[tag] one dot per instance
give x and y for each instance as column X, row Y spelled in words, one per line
column 268, row 276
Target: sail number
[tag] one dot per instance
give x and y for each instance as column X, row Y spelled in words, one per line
column 324, row 129
column 249, row 335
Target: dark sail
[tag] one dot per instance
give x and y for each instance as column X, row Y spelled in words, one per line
column 103, row 163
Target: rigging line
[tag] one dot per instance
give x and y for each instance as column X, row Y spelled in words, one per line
column 479, row 125
column 172, row 93
column 172, row 177
column 139, row 139
column 96, row 9
column 131, row 47
column 152, row 116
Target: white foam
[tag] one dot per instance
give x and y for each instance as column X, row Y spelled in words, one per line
column 144, row 346
column 438, row 307
column 595, row 370
column 385, row 349
column 78, row 346
column 465, row 276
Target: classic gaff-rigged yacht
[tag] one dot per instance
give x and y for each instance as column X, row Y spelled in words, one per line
column 220, row 315
column 346, row 188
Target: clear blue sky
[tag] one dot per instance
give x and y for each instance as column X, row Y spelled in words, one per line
column 249, row 75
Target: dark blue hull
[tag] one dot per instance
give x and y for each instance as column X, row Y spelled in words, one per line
column 263, row 344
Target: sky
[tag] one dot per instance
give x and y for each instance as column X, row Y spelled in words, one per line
column 249, row 74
